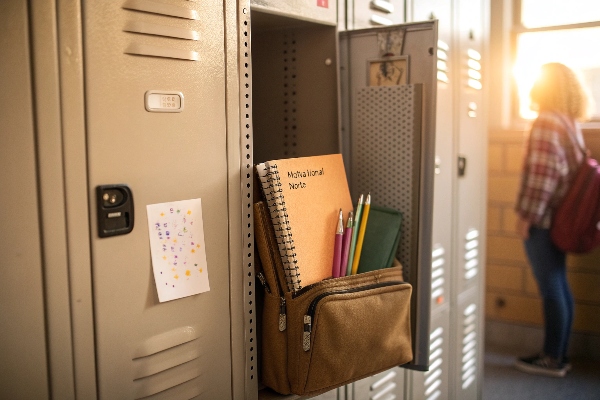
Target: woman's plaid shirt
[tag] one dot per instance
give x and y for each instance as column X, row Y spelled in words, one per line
column 551, row 160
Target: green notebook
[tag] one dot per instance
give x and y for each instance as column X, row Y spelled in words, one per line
column 381, row 239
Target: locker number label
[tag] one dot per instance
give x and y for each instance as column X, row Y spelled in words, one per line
column 162, row 101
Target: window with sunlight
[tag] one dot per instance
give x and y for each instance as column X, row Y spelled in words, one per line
column 558, row 31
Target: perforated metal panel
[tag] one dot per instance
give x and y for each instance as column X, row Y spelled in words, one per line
column 386, row 138
column 295, row 88
column 247, row 226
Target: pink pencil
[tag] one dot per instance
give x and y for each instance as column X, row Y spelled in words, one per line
column 337, row 249
column 346, row 244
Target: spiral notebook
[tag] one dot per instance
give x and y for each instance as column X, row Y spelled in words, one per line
column 304, row 196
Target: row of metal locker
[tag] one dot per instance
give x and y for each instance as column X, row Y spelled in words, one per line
column 87, row 322
column 456, row 325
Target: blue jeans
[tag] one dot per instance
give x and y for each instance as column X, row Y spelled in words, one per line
column 550, row 270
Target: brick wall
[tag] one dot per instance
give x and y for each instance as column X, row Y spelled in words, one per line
column 511, row 291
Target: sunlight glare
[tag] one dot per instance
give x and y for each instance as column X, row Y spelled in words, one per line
column 570, row 47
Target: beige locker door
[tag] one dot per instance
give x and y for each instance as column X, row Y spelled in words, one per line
column 23, row 350
column 180, row 348
column 472, row 145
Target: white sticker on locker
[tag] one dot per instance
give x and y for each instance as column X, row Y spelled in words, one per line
column 162, row 101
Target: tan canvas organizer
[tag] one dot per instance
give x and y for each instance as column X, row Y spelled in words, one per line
column 330, row 333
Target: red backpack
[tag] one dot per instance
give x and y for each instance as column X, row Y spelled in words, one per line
column 576, row 223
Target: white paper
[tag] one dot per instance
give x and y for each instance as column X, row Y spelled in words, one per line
column 177, row 247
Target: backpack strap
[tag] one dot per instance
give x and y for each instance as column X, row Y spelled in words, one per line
column 571, row 128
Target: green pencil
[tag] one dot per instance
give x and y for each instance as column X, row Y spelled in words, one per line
column 359, row 208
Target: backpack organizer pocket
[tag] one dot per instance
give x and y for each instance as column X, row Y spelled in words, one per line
column 330, row 333
column 349, row 329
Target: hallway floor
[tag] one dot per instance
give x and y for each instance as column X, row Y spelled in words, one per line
column 503, row 382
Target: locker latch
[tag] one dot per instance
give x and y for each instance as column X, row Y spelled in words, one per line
column 115, row 210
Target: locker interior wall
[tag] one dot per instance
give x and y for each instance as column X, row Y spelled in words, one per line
column 295, row 95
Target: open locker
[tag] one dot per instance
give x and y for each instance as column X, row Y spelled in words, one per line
column 306, row 79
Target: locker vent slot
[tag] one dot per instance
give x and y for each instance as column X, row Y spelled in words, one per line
column 141, row 49
column 158, row 42
column 438, row 274
column 155, row 7
column 471, row 266
column 383, row 5
column 290, row 120
column 168, row 363
column 161, row 30
column 474, row 69
column 378, row 20
column 246, row 164
column 384, row 386
column 387, row 126
column 442, row 61
column 469, row 346
column 433, row 377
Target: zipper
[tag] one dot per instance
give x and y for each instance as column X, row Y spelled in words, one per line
column 305, row 289
column 263, row 281
column 282, row 316
column 310, row 313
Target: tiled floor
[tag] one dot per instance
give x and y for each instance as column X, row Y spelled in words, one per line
column 503, row 382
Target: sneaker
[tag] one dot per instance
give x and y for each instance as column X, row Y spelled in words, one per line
column 541, row 365
column 567, row 363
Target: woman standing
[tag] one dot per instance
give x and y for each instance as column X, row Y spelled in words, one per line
column 551, row 160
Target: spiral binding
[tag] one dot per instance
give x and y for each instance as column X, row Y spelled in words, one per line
column 271, row 185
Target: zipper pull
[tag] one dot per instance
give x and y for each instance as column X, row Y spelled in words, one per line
column 282, row 316
column 306, row 333
column 263, row 281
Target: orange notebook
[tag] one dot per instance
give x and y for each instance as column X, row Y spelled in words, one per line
column 304, row 196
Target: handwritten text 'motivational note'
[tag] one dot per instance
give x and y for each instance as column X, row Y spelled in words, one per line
column 177, row 248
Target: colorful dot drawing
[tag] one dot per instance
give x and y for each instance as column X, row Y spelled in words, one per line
column 176, row 237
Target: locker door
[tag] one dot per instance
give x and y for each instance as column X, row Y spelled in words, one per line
column 381, row 131
column 23, row 346
column 444, row 180
column 180, row 348
column 472, row 139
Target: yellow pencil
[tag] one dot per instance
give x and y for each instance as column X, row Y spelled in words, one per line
column 361, row 234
